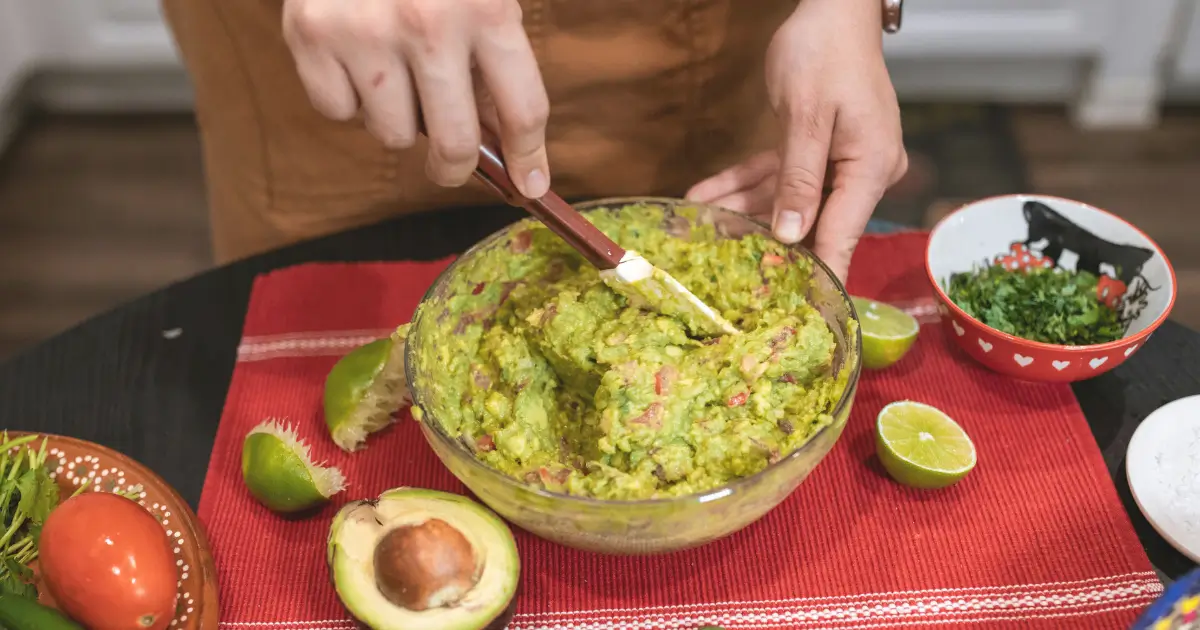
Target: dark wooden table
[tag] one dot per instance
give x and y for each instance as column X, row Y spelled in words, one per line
column 126, row 380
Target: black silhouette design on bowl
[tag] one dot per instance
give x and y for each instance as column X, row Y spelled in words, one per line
column 1061, row 234
column 1118, row 266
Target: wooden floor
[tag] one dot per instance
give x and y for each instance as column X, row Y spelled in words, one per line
column 96, row 211
column 1151, row 178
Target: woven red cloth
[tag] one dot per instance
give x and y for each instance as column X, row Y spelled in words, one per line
column 1035, row 537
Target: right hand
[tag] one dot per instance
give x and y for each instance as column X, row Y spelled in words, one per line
column 396, row 59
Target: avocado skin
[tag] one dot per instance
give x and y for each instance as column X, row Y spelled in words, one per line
column 501, row 622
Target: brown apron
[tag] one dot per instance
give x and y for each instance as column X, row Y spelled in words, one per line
column 647, row 97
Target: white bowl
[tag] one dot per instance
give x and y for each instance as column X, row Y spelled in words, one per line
column 1027, row 230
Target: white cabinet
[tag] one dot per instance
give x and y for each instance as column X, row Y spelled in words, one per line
column 1103, row 55
column 17, row 56
column 16, row 48
column 122, row 34
column 131, row 32
column 1010, row 29
column 1125, row 84
column 1187, row 56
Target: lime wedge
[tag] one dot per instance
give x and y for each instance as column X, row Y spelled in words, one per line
column 280, row 473
column 921, row 447
column 365, row 388
column 887, row 332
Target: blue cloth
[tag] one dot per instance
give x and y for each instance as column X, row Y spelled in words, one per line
column 1178, row 608
column 880, row 226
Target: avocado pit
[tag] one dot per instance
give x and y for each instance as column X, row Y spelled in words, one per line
column 424, row 566
column 417, row 559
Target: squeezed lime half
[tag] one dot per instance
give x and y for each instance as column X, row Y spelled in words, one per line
column 365, row 389
column 279, row 472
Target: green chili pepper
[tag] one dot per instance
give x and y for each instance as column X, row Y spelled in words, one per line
column 20, row 613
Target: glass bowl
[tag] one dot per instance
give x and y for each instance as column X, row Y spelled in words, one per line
column 651, row 525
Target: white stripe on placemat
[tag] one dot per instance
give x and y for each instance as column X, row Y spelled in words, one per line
column 1062, row 602
column 332, row 624
column 1028, row 602
column 306, row 344
column 1013, row 590
column 339, row 342
column 736, row 622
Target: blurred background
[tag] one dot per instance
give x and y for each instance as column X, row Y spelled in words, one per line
column 102, row 196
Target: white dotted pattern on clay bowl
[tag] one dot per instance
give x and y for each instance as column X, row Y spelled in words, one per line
column 74, row 463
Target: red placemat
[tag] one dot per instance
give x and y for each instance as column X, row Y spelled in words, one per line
column 1035, row 537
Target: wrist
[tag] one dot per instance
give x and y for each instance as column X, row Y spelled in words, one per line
column 865, row 15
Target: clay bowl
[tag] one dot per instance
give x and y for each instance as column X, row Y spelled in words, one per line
column 1020, row 231
column 72, row 460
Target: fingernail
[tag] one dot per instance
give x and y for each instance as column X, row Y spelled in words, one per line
column 536, row 184
column 789, row 226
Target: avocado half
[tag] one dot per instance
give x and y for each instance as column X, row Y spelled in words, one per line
column 417, row 559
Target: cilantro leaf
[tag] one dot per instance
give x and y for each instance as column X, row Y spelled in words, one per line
column 17, row 580
column 1046, row 305
column 27, row 496
column 39, row 494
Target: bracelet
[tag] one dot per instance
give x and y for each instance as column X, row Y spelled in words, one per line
column 891, row 15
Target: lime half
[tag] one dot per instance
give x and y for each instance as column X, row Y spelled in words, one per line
column 887, row 332
column 922, row 447
column 365, row 388
column 280, row 473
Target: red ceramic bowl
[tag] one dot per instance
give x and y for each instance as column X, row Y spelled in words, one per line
column 1026, row 230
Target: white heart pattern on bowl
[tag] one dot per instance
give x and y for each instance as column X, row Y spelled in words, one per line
column 987, row 347
column 1097, row 362
column 1130, row 349
column 1060, row 365
column 958, row 330
column 1022, row 360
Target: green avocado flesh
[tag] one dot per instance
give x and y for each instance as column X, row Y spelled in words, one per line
column 547, row 375
column 359, row 526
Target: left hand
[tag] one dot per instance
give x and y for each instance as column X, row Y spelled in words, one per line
column 833, row 97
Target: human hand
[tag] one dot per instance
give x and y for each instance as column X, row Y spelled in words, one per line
column 835, row 103
column 451, row 61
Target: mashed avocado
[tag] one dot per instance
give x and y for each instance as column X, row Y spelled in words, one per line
column 549, row 376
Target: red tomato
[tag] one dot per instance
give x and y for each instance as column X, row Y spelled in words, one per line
column 107, row 563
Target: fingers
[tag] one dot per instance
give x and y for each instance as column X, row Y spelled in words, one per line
column 801, row 172
column 842, row 223
column 348, row 60
column 859, row 187
column 388, row 101
column 742, row 176
column 324, row 79
column 484, row 102
column 757, row 201
column 386, row 56
column 442, row 76
column 510, row 71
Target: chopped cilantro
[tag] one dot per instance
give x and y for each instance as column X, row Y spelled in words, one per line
column 1046, row 305
column 27, row 494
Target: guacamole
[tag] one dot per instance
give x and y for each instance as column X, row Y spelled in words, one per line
column 546, row 374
